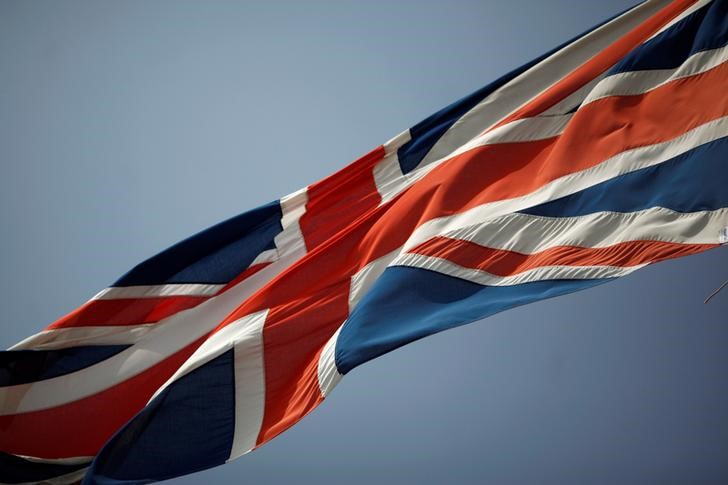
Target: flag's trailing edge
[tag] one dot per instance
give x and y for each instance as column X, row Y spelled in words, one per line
column 603, row 156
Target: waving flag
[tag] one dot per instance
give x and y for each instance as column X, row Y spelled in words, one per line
column 606, row 154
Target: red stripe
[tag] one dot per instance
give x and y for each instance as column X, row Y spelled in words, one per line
column 126, row 311
column 81, row 427
column 293, row 337
column 501, row 262
column 340, row 198
column 136, row 311
column 600, row 62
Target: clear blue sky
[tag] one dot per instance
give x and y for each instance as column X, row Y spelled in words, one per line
column 126, row 126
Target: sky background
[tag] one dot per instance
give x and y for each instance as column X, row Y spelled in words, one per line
column 127, row 126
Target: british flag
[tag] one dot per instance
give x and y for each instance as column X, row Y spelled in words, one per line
column 600, row 157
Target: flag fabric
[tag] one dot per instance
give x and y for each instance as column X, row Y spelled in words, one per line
column 604, row 155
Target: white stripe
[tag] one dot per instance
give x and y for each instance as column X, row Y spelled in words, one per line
column 153, row 291
column 245, row 336
column 365, row 278
column 249, row 384
column 59, row 338
column 290, row 241
column 574, row 99
column 538, row 79
column 523, row 130
column 484, row 278
column 530, row 234
column 640, row 82
column 387, row 172
column 328, row 374
column 625, row 162
column 267, row 256
column 217, row 344
column 167, row 337
column 697, row 5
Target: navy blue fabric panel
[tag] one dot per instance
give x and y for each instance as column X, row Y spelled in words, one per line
column 704, row 29
column 187, row 428
column 407, row 304
column 694, row 181
column 426, row 133
column 23, row 366
column 14, row 469
column 215, row 255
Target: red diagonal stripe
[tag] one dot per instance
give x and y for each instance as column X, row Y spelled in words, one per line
column 501, row 262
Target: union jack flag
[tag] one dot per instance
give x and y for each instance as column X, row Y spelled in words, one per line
column 600, row 157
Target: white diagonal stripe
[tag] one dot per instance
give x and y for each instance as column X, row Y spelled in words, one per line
column 154, row 291
column 481, row 277
column 622, row 163
column 58, row 338
column 328, row 374
column 640, row 82
column 530, row 234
